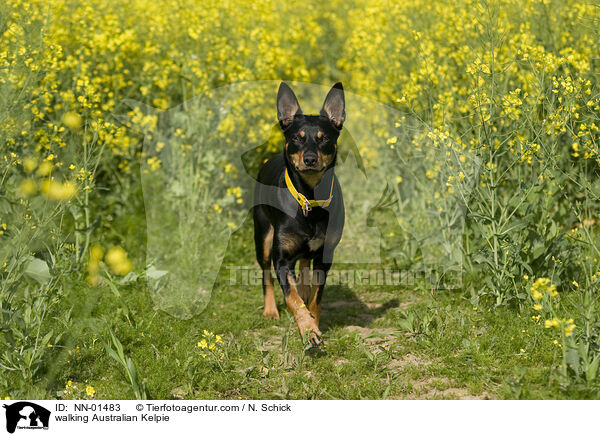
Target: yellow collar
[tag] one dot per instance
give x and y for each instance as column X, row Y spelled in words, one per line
column 305, row 204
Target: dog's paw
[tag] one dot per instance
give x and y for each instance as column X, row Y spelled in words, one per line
column 311, row 335
column 315, row 339
column 271, row 312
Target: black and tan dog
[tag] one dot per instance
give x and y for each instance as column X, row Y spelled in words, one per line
column 299, row 209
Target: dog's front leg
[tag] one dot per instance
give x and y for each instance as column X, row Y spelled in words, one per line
column 320, row 271
column 306, row 321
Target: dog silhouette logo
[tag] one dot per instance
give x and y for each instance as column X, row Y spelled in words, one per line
column 26, row 415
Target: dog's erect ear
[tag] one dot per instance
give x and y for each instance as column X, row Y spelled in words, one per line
column 287, row 106
column 334, row 106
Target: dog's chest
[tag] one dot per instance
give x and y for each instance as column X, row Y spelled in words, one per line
column 315, row 237
column 316, row 242
column 316, row 231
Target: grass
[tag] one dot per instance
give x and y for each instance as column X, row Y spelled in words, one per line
column 381, row 342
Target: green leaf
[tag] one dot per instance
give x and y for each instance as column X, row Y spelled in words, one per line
column 107, row 347
column 538, row 250
column 592, row 370
column 153, row 273
column 46, row 339
column 386, row 393
column 572, row 358
column 553, row 232
column 38, row 270
column 124, row 306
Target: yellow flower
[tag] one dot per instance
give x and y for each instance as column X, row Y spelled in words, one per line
column 235, row 191
column 96, row 252
column 218, row 339
column 93, row 279
column 154, row 163
column 202, row 344
column 541, row 286
column 28, row 187
column 7, row 398
column 72, row 120
column 569, row 329
column 90, row 391
column 551, row 323
column 117, row 260
column 211, row 346
column 537, row 307
column 58, row 191
column 30, row 164
column 44, row 169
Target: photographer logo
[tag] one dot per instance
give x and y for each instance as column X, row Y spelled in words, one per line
column 26, row 415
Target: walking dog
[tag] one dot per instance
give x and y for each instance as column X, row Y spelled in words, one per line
column 299, row 209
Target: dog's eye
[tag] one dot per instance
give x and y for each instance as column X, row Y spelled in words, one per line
column 323, row 139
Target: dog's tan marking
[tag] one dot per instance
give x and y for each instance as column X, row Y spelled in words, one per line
column 315, row 243
column 314, row 307
column 302, row 134
column 268, row 246
column 290, row 242
column 325, row 159
column 270, row 303
column 297, row 159
column 304, row 319
column 319, row 134
column 304, row 285
column 312, row 179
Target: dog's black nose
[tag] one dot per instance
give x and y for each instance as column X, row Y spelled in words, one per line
column 310, row 159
